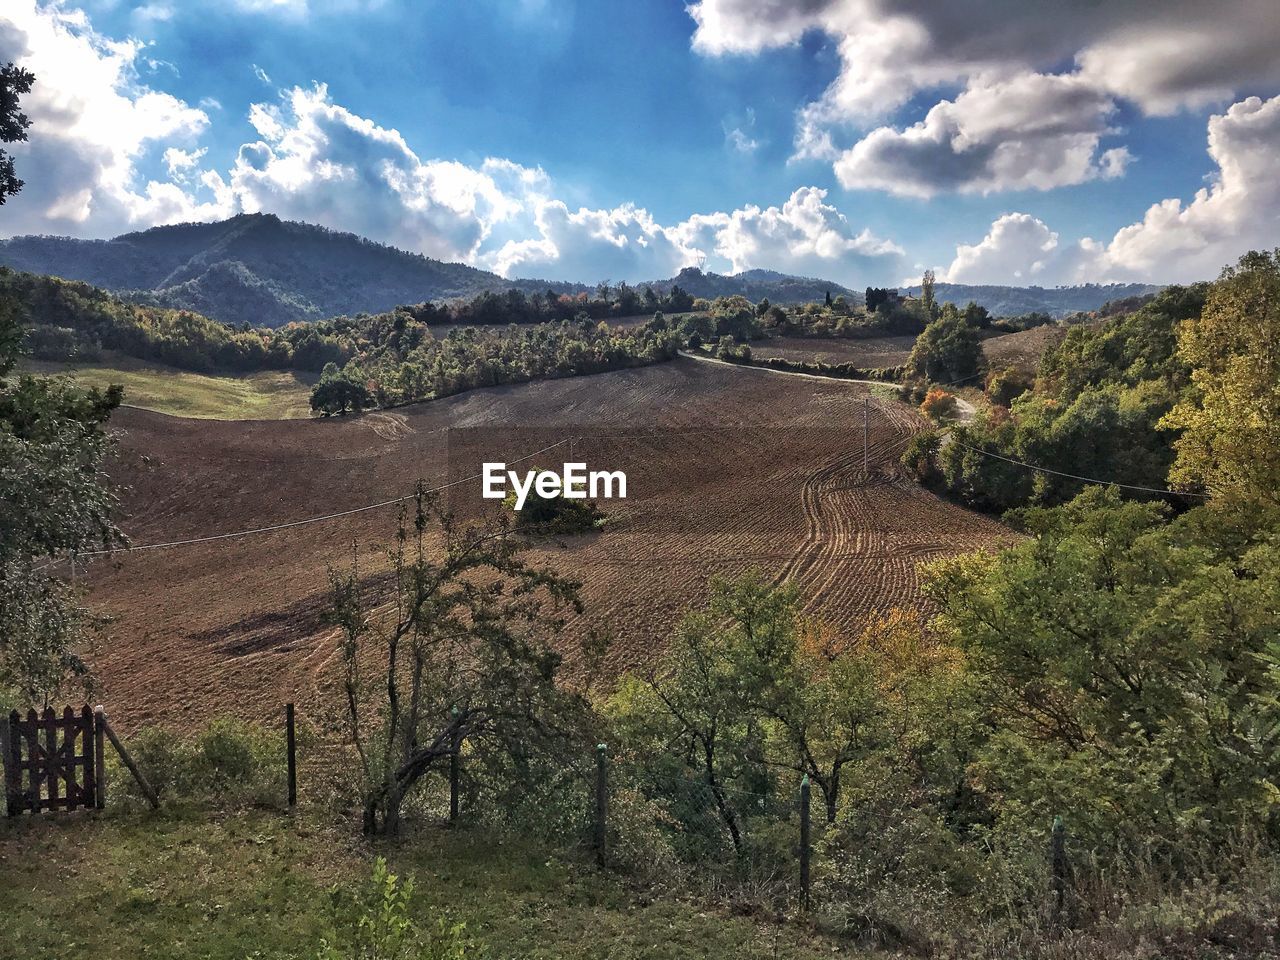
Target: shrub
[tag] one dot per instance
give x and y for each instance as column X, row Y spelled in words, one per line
column 1004, row 386
column 938, row 404
column 374, row 923
column 920, row 458
column 228, row 764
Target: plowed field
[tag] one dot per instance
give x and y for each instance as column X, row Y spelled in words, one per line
column 728, row 468
column 866, row 352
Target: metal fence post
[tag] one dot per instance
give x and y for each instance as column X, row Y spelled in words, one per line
column 455, row 771
column 1058, row 854
column 602, row 802
column 804, row 843
column 291, row 748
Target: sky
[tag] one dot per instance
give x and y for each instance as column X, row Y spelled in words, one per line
column 1019, row 142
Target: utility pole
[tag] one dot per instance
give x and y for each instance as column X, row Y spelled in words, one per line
column 866, row 405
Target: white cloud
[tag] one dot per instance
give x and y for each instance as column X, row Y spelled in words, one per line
column 1030, row 131
column 261, row 74
column 181, row 162
column 1162, row 55
column 1017, row 250
column 92, row 122
column 806, row 235
column 1240, row 209
column 1174, row 242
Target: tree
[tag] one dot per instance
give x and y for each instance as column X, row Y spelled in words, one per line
column 927, row 296
column 464, row 655
column 948, row 351
column 14, row 82
column 1122, row 657
column 56, row 502
column 338, row 394
column 1230, row 422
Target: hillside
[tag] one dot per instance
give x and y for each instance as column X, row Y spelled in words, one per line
column 253, row 268
column 1056, row 301
column 264, row 271
column 755, row 285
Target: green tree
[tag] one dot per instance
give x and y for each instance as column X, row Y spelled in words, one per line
column 338, row 394
column 14, row 82
column 1121, row 656
column 464, row 654
column 1230, row 420
column 56, row 501
column 948, row 351
column 927, row 295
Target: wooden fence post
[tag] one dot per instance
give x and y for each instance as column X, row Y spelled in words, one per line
column 148, row 791
column 1058, row 854
column 455, row 771
column 804, row 843
column 12, row 775
column 291, row 749
column 100, row 758
column 602, row 802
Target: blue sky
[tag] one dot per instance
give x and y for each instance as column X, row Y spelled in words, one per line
column 860, row 140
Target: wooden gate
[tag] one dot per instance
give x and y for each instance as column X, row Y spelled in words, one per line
column 52, row 762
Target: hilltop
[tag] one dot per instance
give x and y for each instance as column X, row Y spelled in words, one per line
column 252, row 268
column 755, row 285
column 1002, row 301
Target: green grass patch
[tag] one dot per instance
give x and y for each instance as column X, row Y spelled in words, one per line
column 268, row 395
column 255, row 885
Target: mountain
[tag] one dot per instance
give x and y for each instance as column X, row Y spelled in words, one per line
column 1055, row 301
column 258, row 269
column 755, row 285
column 252, row 268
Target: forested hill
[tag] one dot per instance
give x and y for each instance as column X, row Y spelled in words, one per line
column 1055, row 301
column 253, row 268
column 755, row 285
column 264, row 271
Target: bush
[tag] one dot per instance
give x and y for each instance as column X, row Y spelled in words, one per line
column 228, row 764
column 920, row 459
column 938, row 404
column 1005, row 386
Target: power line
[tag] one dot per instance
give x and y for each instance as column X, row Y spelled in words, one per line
column 306, row 520
column 1073, row 476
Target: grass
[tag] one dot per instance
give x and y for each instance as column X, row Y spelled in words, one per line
column 269, row 395
column 254, row 885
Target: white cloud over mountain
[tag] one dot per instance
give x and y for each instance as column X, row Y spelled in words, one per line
column 94, row 121
column 109, row 153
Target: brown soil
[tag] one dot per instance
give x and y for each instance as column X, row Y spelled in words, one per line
column 868, row 352
column 1023, row 349
column 728, row 468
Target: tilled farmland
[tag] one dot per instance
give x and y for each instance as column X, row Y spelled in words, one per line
column 728, row 469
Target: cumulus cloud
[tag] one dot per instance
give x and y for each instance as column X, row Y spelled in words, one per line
column 806, row 235
column 1018, row 249
column 1149, row 52
column 92, row 122
column 1174, row 241
column 1033, row 131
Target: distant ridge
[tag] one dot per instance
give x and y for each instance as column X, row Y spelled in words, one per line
column 253, row 268
column 1056, row 301
column 258, row 269
column 755, row 285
